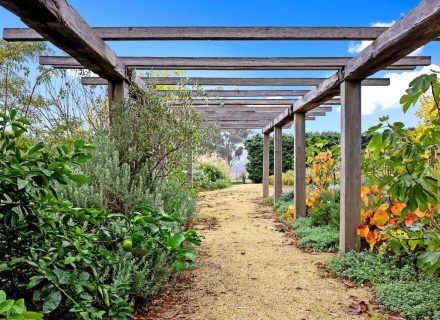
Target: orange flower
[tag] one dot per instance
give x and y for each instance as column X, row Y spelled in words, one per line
column 372, row 238
column 380, row 218
column 375, row 189
column 364, row 191
column 397, row 208
column 410, row 219
column 362, row 231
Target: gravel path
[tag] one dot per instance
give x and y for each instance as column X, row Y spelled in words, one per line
column 249, row 270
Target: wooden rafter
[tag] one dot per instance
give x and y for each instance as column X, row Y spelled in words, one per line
column 236, row 81
column 240, row 93
column 215, row 63
column 215, row 33
column 268, row 101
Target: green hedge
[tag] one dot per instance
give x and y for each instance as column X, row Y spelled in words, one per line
column 254, row 147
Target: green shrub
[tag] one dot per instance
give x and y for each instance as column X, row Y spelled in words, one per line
column 11, row 309
column 269, row 201
column 211, row 172
column 283, row 203
column 209, row 177
column 417, row 300
column 254, row 147
column 369, row 267
column 114, row 185
column 282, row 206
column 63, row 259
column 325, row 238
column 326, row 212
column 287, row 196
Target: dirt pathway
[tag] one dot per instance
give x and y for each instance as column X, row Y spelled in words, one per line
column 249, row 270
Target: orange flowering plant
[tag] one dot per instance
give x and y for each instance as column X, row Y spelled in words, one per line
column 322, row 174
column 385, row 221
column 400, row 205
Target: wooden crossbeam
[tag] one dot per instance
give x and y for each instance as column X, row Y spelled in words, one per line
column 242, row 125
column 236, row 81
column 228, row 108
column 204, row 63
column 59, row 23
column 416, row 28
column 241, row 93
column 268, row 101
column 247, row 116
column 215, row 33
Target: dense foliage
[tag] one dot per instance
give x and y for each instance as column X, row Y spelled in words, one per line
column 400, row 205
column 61, row 258
column 209, row 177
column 254, row 147
column 323, row 237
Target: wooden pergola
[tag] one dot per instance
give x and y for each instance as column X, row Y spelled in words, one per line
column 270, row 110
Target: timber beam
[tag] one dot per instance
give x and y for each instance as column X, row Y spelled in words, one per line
column 279, row 82
column 215, row 33
column 215, row 63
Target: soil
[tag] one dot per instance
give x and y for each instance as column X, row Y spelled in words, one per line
column 249, row 269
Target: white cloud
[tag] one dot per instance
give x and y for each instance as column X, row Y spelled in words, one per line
column 356, row 47
column 388, row 97
column 76, row 73
column 383, row 24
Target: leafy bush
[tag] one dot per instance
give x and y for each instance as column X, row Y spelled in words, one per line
column 366, row 267
column 254, row 147
column 60, row 258
column 269, row 201
column 209, row 177
column 401, row 211
column 325, row 238
column 211, row 172
column 11, row 309
column 417, row 300
column 327, row 211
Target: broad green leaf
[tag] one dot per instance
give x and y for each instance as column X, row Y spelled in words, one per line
column 6, row 305
column 79, row 178
column 29, row 315
column 51, row 302
column 19, row 306
column 178, row 265
column 21, row 184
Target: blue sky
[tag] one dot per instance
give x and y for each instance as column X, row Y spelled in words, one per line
column 256, row 13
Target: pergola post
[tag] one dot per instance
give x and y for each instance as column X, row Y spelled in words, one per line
column 266, row 148
column 350, row 166
column 278, row 162
column 117, row 93
column 299, row 123
column 190, row 165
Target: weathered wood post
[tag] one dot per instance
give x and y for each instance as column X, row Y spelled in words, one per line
column 299, row 123
column 117, row 93
column 278, row 162
column 190, row 165
column 266, row 148
column 350, row 165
